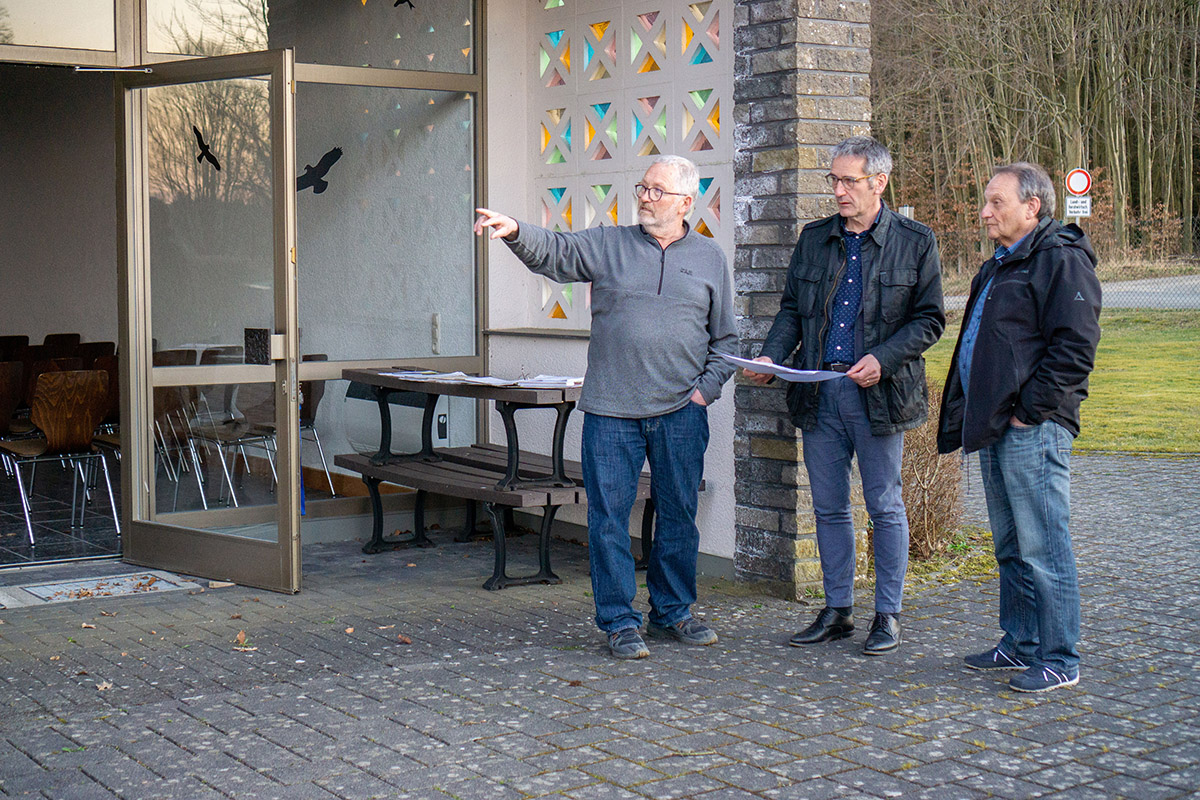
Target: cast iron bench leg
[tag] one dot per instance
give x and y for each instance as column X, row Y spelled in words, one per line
column 500, row 578
column 378, row 544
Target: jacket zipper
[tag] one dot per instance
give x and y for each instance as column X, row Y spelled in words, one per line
column 837, row 280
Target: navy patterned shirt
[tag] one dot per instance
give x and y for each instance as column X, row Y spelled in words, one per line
column 840, row 345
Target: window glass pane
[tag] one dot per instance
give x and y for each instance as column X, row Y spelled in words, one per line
column 82, row 24
column 214, row 446
column 211, row 230
column 386, row 257
column 423, row 35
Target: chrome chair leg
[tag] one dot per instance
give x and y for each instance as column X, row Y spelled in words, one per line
column 229, row 480
column 24, row 503
column 324, row 464
column 111, row 500
column 196, row 465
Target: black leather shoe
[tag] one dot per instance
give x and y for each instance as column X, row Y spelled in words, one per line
column 884, row 636
column 830, row 625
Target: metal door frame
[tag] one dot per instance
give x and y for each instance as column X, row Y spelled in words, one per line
column 268, row 565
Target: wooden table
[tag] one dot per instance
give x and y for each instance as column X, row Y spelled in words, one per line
column 465, row 473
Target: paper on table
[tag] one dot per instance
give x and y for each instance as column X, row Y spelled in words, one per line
column 550, row 382
column 787, row 373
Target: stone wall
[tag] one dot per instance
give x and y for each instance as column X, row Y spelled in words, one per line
column 802, row 83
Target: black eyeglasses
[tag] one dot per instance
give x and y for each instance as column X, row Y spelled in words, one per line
column 848, row 182
column 653, row 192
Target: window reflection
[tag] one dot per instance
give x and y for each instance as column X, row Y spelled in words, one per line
column 426, row 35
column 211, row 230
column 81, row 24
column 385, row 252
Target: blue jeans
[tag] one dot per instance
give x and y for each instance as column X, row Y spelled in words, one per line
column 614, row 450
column 1027, row 483
column 842, row 431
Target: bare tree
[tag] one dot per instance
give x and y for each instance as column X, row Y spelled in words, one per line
column 960, row 85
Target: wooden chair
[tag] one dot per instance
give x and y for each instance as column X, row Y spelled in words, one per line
column 61, row 345
column 311, row 393
column 90, row 351
column 12, row 388
column 11, row 347
column 32, row 372
column 112, row 411
column 67, row 407
column 232, row 436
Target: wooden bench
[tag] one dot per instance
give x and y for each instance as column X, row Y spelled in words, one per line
column 472, row 473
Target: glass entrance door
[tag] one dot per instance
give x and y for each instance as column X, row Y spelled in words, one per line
column 208, row 312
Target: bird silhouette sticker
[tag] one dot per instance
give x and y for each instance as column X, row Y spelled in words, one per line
column 205, row 152
column 314, row 176
column 405, row 2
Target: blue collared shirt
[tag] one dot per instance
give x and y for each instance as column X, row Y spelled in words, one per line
column 971, row 332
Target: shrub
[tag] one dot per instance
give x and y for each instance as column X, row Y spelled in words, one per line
column 931, row 487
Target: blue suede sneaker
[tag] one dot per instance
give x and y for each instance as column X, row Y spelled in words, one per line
column 627, row 643
column 688, row 631
column 1043, row 679
column 994, row 659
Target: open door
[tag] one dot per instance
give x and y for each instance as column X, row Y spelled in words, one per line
column 208, row 309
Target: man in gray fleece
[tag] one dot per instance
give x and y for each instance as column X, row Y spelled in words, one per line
column 662, row 309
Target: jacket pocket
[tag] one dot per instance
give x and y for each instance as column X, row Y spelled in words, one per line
column 808, row 288
column 897, row 288
column 907, row 393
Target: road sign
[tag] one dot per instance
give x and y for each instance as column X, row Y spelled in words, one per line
column 1079, row 207
column 1079, row 182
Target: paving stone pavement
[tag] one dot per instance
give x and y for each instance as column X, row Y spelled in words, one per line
column 511, row 695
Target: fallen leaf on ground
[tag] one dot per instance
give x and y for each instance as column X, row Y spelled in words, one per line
column 403, row 639
column 241, row 637
column 87, row 625
column 108, row 613
column 410, row 565
column 575, row 683
column 103, row 686
column 235, row 616
column 55, row 658
column 349, row 630
column 385, row 627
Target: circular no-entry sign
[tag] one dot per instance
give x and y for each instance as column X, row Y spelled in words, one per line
column 1079, row 181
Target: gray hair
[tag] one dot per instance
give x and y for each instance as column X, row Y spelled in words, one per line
column 879, row 160
column 1032, row 181
column 685, row 172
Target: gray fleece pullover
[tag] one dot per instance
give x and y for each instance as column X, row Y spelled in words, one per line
column 659, row 316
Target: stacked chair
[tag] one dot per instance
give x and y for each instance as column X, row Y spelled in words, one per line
column 67, row 406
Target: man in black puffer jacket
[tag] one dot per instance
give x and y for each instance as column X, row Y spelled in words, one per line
column 1018, row 375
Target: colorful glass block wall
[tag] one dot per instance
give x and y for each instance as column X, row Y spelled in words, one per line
column 613, row 85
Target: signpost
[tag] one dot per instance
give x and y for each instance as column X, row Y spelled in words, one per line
column 1079, row 183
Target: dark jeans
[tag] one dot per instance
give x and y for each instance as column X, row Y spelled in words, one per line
column 614, row 450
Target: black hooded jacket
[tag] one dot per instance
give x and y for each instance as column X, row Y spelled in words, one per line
column 1036, row 343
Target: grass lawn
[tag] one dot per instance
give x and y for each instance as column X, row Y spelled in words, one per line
column 1145, row 391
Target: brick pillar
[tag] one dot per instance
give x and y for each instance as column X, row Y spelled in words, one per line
column 802, row 83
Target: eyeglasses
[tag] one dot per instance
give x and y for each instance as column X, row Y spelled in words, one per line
column 849, row 183
column 653, row 192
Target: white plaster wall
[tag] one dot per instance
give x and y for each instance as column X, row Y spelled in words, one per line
column 58, row 261
column 509, row 178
